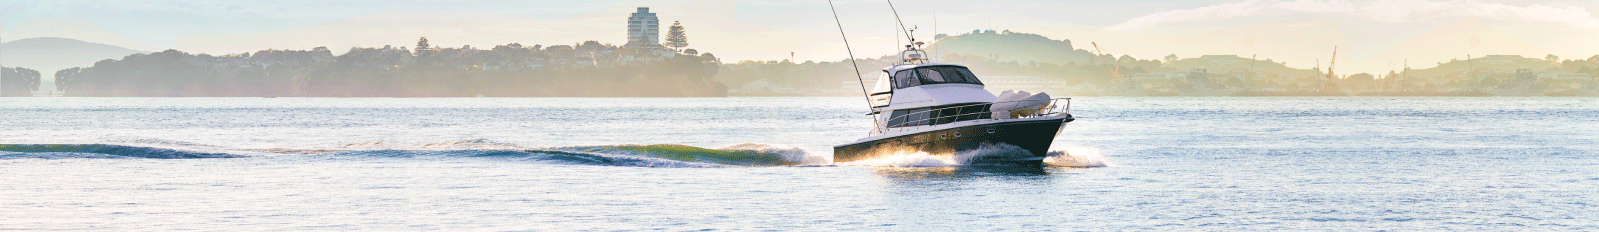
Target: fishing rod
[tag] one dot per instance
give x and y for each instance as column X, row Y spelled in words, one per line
column 864, row 92
column 901, row 23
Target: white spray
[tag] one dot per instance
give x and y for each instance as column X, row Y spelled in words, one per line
column 1076, row 156
column 924, row 159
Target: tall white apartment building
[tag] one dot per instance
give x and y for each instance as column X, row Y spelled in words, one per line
column 643, row 29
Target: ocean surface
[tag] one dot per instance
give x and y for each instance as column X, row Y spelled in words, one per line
column 559, row 164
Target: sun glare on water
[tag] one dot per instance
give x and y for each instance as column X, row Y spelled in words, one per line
column 1061, row 156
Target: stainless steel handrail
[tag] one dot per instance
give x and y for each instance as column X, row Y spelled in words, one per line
column 1054, row 107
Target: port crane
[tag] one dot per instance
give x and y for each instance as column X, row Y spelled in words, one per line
column 1331, row 86
column 1116, row 69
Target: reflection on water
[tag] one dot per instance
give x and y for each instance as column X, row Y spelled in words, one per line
column 959, row 172
column 927, row 187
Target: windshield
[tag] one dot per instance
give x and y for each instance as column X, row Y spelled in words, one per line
column 934, row 75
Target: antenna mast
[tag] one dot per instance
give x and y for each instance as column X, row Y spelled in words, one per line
column 864, row 92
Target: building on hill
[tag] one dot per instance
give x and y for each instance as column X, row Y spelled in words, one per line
column 1159, row 80
column 643, row 29
column 1568, row 80
column 1034, row 84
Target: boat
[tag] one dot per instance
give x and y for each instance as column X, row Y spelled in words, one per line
column 942, row 109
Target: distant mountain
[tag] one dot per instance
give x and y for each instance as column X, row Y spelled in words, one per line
column 1010, row 46
column 49, row 54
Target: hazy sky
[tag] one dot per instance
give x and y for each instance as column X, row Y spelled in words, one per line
column 1373, row 36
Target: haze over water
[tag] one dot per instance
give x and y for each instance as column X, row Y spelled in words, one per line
column 1306, row 163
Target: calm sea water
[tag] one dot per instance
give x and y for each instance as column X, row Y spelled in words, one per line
column 139, row 164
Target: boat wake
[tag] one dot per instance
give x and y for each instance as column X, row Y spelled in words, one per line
column 101, row 151
column 1076, row 156
column 660, row 155
column 737, row 155
column 1066, row 156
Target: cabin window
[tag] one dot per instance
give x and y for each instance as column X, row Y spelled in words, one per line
column 906, row 79
column 938, row 115
column 931, row 74
column 934, row 75
column 969, row 76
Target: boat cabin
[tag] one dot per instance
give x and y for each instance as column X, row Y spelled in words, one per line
column 929, row 94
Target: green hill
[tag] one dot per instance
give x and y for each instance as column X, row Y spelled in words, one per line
column 1502, row 64
column 1237, row 64
column 1011, row 46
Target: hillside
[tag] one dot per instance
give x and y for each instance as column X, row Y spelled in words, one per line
column 1011, row 46
column 50, row 54
column 1238, row 64
column 588, row 69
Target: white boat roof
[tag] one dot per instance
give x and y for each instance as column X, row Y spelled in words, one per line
column 897, row 68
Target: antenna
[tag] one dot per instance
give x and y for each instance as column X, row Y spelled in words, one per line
column 864, row 92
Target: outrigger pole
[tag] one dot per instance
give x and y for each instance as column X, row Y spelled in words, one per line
column 896, row 20
column 864, row 92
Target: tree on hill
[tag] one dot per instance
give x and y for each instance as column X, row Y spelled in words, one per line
column 675, row 36
column 422, row 47
column 424, row 51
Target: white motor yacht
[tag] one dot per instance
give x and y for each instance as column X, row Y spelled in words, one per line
column 943, row 110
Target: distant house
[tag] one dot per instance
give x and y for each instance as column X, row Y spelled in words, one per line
column 536, row 63
column 1157, row 80
column 1575, row 76
column 1566, row 79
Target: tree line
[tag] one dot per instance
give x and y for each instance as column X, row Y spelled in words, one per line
column 588, row 69
column 18, row 82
